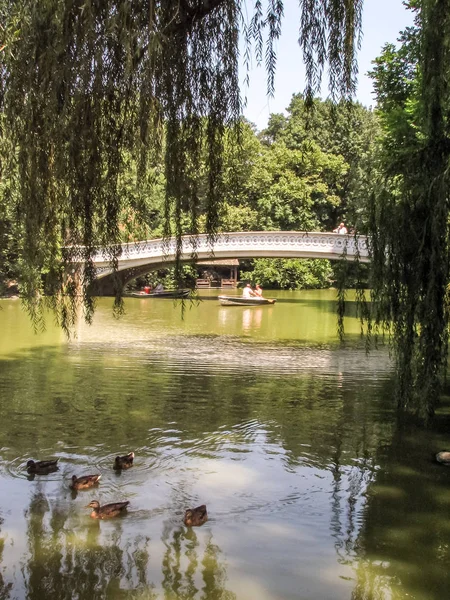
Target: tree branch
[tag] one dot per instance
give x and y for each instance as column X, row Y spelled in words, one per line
column 185, row 21
column 192, row 14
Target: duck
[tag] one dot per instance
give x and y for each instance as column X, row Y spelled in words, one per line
column 124, row 462
column 107, row 510
column 85, row 482
column 195, row 516
column 42, row 467
column 443, row 458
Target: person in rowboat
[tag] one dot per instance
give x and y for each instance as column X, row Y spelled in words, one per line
column 258, row 291
column 247, row 292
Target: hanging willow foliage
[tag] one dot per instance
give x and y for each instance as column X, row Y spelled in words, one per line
column 410, row 219
column 86, row 83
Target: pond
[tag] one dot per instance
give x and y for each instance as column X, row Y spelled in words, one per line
column 314, row 488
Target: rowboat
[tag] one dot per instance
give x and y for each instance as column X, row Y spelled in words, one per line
column 240, row 301
column 162, row 294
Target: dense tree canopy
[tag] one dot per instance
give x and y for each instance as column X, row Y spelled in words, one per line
column 286, row 188
column 86, row 85
column 344, row 129
column 410, row 217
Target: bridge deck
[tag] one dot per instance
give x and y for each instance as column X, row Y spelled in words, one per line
column 253, row 244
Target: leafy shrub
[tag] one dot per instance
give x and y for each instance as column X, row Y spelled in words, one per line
column 290, row 274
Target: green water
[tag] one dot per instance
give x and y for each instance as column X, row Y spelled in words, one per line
column 314, row 489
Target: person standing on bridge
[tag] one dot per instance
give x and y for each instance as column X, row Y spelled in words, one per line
column 342, row 229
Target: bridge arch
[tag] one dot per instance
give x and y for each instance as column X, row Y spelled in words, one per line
column 138, row 258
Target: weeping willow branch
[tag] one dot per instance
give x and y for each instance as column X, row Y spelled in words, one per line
column 410, row 224
column 87, row 86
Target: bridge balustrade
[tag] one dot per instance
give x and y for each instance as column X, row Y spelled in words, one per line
column 160, row 253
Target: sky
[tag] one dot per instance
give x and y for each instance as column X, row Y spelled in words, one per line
column 382, row 22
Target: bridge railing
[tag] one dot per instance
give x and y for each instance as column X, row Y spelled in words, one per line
column 250, row 244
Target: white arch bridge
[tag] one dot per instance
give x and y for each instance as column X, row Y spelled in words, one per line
column 138, row 258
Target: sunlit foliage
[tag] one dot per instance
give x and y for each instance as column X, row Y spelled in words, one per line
column 290, row 274
column 85, row 85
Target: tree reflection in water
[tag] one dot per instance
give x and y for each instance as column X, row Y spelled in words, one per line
column 5, row 588
column 348, row 502
column 182, row 585
column 66, row 561
column 61, row 565
column 214, row 575
column 404, row 540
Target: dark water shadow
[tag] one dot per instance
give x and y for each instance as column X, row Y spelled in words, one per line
column 404, row 538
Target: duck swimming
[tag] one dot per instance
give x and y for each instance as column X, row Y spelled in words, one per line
column 42, row 467
column 85, row 482
column 194, row 517
column 124, row 462
column 107, row 510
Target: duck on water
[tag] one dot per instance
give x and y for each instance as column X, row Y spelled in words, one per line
column 42, row 467
column 107, row 510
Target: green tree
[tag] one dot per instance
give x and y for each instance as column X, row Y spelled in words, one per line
column 274, row 187
column 142, row 213
column 410, row 218
column 9, row 252
column 344, row 129
column 84, row 84
column 290, row 274
column 302, row 187
column 9, row 234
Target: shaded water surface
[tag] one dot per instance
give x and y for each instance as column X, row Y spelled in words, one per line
column 314, row 491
